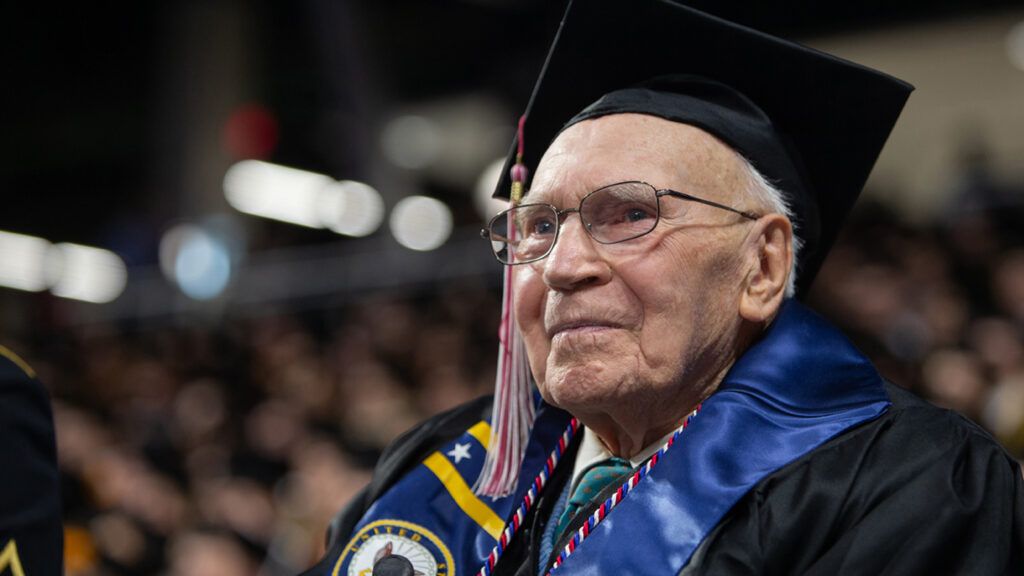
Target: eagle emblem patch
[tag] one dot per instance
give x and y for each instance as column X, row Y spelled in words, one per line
column 396, row 542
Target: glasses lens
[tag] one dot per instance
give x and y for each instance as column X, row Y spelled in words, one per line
column 620, row 211
column 498, row 229
column 524, row 233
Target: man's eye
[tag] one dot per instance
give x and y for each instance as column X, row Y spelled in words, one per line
column 541, row 226
column 535, row 225
column 637, row 214
column 630, row 214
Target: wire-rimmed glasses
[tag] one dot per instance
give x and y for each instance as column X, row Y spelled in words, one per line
column 611, row 214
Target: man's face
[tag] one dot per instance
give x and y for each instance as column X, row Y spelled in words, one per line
column 651, row 323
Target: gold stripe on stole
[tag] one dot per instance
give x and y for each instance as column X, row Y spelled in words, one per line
column 460, row 491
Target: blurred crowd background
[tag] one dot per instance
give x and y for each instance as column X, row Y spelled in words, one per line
column 239, row 243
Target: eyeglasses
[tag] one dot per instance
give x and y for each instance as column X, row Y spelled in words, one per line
column 611, row 214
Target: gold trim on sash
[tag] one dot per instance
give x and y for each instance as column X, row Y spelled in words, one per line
column 9, row 559
column 463, row 495
column 6, row 353
column 482, row 432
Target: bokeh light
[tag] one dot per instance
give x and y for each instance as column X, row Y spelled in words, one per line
column 250, row 132
column 69, row 270
column 486, row 205
column 22, row 261
column 412, row 142
column 85, row 273
column 421, row 223
column 352, row 208
column 276, row 192
column 198, row 262
column 304, row 198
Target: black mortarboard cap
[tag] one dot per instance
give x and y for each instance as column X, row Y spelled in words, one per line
column 812, row 123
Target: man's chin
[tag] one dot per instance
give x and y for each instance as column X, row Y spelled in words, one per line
column 579, row 390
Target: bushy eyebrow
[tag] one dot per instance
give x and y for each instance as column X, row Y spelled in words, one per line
column 542, row 195
column 534, row 196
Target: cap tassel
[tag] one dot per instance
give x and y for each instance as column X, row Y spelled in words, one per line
column 513, row 413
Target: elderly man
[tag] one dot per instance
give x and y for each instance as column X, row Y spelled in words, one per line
column 693, row 417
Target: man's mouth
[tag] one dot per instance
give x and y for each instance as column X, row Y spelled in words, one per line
column 581, row 327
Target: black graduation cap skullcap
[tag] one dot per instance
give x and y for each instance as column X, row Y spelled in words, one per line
column 812, row 123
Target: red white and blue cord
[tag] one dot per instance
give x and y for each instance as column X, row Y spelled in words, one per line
column 512, row 527
column 606, row 507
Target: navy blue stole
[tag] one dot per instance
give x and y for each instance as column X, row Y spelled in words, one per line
column 802, row 384
column 431, row 516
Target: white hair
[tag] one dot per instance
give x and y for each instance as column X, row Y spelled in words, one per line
column 771, row 200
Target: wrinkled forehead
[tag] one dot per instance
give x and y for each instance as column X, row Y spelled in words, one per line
column 621, row 147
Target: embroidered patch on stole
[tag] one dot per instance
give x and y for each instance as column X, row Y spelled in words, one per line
column 424, row 550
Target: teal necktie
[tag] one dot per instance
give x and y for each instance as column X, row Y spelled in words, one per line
column 594, row 480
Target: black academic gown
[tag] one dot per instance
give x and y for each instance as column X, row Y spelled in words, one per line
column 31, row 537
column 918, row 490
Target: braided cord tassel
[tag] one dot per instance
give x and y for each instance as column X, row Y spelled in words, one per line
column 513, row 400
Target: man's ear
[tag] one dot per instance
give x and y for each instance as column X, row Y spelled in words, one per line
column 770, row 261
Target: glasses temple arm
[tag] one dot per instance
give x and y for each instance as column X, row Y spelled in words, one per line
column 747, row 215
column 488, row 235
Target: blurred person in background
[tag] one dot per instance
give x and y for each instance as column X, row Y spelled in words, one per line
column 209, row 553
column 31, row 534
column 694, row 417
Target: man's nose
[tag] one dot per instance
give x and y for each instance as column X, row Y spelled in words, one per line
column 575, row 260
